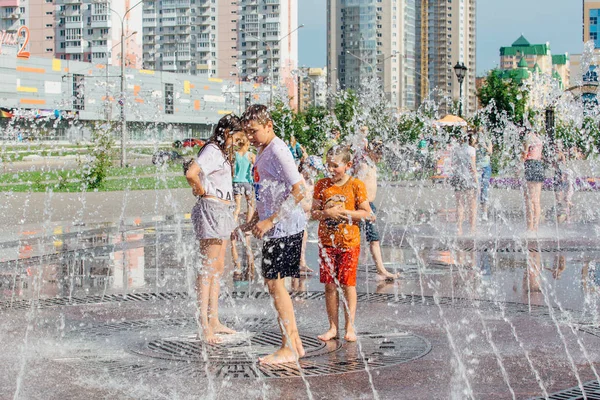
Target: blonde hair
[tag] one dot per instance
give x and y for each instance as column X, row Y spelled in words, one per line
column 340, row 150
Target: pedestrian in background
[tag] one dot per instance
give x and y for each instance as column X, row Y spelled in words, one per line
column 534, row 178
column 483, row 161
column 464, row 182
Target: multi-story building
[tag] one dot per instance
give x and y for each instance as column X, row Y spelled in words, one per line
column 312, row 88
column 448, row 33
column 196, row 37
column 591, row 17
column 525, row 56
column 411, row 45
column 92, row 31
column 37, row 16
column 268, row 42
column 365, row 39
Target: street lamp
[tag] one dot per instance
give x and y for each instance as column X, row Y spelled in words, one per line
column 120, row 76
column 122, row 100
column 461, row 72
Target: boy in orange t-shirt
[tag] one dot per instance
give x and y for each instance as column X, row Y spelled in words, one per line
column 339, row 202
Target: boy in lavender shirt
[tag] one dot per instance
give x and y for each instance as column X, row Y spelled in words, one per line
column 279, row 220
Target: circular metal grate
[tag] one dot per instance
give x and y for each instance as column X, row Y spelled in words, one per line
column 237, row 355
column 244, row 347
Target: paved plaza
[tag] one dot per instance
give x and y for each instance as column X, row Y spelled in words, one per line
column 96, row 295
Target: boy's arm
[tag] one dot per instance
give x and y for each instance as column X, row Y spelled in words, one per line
column 296, row 196
column 363, row 212
column 250, row 224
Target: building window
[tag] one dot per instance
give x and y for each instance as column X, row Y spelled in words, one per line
column 594, row 35
column 593, row 20
column 168, row 98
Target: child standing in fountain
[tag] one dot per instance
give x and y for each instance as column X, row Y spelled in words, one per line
column 340, row 202
column 279, row 220
column 210, row 178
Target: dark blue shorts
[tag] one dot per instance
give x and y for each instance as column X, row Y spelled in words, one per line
column 371, row 231
column 281, row 257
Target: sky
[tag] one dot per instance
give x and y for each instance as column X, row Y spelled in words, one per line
column 499, row 23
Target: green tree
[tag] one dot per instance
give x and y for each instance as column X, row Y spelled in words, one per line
column 346, row 102
column 410, row 129
column 504, row 93
column 98, row 160
column 313, row 134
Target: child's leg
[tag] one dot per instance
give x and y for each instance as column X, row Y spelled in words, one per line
column 350, row 312
column 332, row 303
column 348, row 269
column 213, row 305
column 238, row 206
column 281, row 257
column 291, row 346
column 207, row 288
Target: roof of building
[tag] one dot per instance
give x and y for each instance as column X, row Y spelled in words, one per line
column 560, row 59
column 521, row 46
column 521, row 41
column 522, row 63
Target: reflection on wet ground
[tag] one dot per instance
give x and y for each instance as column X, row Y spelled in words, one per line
column 161, row 256
column 116, row 305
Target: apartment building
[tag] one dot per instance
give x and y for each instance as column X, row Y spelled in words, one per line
column 411, row 45
column 448, row 32
column 37, row 16
column 366, row 39
column 591, row 15
column 91, row 31
column 198, row 37
column 312, row 88
column 268, row 43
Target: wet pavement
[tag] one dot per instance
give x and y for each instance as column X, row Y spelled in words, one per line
column 107, row 309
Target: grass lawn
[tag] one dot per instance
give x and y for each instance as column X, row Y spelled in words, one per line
column 130, row 178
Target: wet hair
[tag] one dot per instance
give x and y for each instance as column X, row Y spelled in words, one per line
column 376, row 147
column 343, row 151
column 258, row 113
column 225, row 127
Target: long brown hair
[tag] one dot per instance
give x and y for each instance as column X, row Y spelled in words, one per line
column 225, row 127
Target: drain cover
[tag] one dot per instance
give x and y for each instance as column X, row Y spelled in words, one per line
column 168, row 346
column 243, row 347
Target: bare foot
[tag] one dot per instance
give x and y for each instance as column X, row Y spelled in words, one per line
column 350, row 335
column 220, row 328
column 299, row 348
column 330, row 334
column 211, row 338
column 387, row 276
column 281, row 356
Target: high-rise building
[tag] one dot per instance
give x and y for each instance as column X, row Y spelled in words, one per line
column 196, row 37
column 448, row 32
column 366, row 39
column 37, row 16
column 591, row 16
column 268, row 42
column 411, row 45
column 90, row 30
